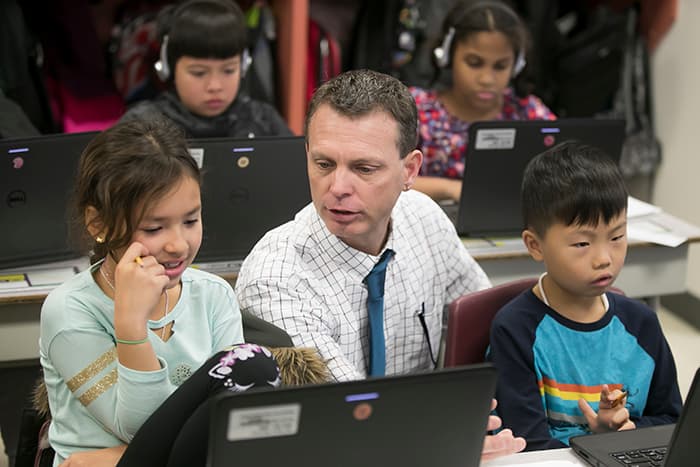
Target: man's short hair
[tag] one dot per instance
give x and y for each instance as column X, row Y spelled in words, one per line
column 357, row 93
column 571, row 183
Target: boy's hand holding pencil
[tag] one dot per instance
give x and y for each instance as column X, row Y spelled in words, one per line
column 612, row 414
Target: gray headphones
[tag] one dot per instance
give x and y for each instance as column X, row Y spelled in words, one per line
column 441, row 54
column 163, row 68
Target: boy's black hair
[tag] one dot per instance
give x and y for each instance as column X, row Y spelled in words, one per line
column 572, row 183
column 203, row 29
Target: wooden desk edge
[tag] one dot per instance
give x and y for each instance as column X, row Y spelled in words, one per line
column 40, row 296
column 21, row 299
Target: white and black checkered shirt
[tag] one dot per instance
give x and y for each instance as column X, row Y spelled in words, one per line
column 308, row 282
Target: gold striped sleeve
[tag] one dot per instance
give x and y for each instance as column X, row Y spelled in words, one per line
column 99, row 388
column 99, row 364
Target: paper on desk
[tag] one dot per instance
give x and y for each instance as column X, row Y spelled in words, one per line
column 53, row 276
column 13, row 281
column 493, row 245
column 638, row 208
column 39, row 279
column 650, row 230
column 36, row 281
column 648, row 223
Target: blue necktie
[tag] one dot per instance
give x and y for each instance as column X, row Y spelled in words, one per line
column 375, row 308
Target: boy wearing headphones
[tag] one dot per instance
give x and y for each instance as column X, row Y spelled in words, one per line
column 483, row 46
column 204, row 57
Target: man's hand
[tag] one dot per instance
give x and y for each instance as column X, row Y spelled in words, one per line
column 502, row 444
column 107, row 457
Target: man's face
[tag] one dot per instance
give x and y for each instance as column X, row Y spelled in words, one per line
column 356, row 174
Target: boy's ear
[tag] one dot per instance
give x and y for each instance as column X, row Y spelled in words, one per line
column 93, row 224
column 533, row 244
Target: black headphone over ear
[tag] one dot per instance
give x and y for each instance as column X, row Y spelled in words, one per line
column 441, row 54
column 166, row 20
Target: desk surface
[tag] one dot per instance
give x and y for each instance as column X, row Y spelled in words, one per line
column 513, row 247
column 650, row 269
column 549, row 458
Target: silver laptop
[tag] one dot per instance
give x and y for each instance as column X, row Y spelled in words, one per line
column 437, row 418
column 249, row 187
column 666, row 445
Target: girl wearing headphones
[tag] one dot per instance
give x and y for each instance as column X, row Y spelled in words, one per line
column 483, row 46
column 203, row 57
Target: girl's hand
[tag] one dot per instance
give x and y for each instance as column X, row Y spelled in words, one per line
column 612, row 414
column 139, row 284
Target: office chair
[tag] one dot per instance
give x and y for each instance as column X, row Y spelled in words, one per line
column 469, row 320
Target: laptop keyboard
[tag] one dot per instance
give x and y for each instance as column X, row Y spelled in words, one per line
column 641, row 457
column 220, row 267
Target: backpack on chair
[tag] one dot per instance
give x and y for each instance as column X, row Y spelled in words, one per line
column 298, row 366
column 33, row 449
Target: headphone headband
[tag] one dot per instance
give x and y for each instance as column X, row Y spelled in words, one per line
column 441, row 54
column 162, row 66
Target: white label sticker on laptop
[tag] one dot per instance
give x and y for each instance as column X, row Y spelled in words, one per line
column 501, row 138
column 198, row 155
column 263, row 422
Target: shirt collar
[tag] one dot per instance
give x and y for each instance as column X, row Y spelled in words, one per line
column 345, row 256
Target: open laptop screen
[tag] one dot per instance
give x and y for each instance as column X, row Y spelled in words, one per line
column 436, row 418
column 497, row 154
column 249, row 187
column 37, row 175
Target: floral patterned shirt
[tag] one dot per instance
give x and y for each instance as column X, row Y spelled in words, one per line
column 443, row 137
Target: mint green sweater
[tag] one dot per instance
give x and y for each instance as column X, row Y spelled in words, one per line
column 96, row 402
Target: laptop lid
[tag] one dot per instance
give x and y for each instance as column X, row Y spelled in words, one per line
column 37, row 176
column 497, row 153
column 249, row 187
column 680, row 438
column 436, row 418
